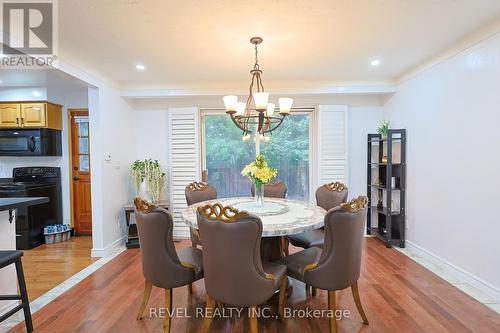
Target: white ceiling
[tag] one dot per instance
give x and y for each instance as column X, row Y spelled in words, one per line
column 205, row 43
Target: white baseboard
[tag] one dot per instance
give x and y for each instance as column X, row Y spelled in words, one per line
column 7, row 305
column 484, row 287
column 117, row 244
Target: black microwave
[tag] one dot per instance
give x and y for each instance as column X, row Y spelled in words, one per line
column 30, row 142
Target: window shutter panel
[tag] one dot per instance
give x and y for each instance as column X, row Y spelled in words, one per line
column 184, row 155
column 332, row 159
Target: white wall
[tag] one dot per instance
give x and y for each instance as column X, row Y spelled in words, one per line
column 360, row 121
column 23, row 94
column 151, row 137
column 452, row 114
column 111, row 132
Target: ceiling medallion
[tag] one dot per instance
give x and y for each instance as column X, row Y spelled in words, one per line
column 261, row 117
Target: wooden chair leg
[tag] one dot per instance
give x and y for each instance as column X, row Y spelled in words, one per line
column 190, row 288
column 286, row 244
column 168, row 308
column 332, row 307
column 253, row 319
column 145, row 299
column 314, row 291
column 208, row 318
column 307, row 288
column 357, row 300
column 282, row 295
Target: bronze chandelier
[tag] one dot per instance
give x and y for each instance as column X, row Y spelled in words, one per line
column 260, row 119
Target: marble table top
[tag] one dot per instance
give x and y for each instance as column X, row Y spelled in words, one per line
column 279, row 216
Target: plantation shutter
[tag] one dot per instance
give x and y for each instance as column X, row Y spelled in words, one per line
column 332, row 150
column 184, row 146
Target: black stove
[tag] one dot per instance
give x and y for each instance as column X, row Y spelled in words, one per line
column 34, row 182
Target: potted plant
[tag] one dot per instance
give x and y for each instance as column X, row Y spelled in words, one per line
column 260, row 174
column 383, row 129
column 148, row 178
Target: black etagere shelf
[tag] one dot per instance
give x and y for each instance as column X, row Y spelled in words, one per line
column 386, row 187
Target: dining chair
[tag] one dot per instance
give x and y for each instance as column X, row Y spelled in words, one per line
column 197, row 192
column 273, row 190
column 328, row 196
column 162, row 265
column 234, row 272
column 337, row 266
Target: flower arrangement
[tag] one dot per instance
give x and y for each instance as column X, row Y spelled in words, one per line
column 258, row 171
column 149, row 172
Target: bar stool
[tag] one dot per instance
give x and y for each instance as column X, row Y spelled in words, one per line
column 14, row 257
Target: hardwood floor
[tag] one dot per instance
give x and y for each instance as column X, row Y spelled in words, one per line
column 398, row 295
column 48, row 265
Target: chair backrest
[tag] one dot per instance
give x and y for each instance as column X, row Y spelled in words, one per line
column 340, row 262
column 273, row 190
column 331, row 195
column 199, row 191
column 231, row 256
column 160, row 264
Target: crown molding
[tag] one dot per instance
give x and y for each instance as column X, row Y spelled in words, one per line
column 465, row 43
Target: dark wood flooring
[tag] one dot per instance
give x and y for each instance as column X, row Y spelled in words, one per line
column 398, row 296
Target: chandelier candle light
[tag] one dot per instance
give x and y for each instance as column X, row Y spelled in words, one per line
column 261, row 118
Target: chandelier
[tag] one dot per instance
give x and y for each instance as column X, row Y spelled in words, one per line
column 261, row 118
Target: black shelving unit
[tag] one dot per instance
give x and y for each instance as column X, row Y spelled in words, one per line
column 386, row 178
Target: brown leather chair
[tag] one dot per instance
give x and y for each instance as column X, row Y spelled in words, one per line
column 273, row 190
column 197, row 192
column 234, row 272
column 338, row 265
column 162, row 265
column 328, row 196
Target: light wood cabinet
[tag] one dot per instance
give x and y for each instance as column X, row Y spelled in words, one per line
column 30, row 115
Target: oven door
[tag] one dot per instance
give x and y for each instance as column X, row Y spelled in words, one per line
column 20, row 142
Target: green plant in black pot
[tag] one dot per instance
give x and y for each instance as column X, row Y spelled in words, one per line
column 383, row 129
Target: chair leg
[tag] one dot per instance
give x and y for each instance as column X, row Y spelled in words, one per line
column 357, row 300
column 307, row 288
column 168, row 308
column 314, row 291
column 208, row 314
column 332, row 307
column 281, row 304
column 24, row 295
column 286, row 244
column 145, row 299
column 190, row 288
column 253, row 319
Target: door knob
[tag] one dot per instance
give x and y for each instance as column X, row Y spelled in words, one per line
column 76, row 178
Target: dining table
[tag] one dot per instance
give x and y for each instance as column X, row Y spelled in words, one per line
column 280, row 217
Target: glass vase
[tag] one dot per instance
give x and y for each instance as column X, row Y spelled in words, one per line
column 259, row 194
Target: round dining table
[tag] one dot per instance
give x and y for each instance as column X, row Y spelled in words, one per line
column 280, row 217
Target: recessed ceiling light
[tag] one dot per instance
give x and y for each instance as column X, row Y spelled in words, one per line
column 2, row 55
column 140, row 67
column 36, row 93
column 375, row 62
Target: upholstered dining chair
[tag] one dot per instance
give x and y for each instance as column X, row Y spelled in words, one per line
column 328, row 196
column 336, row 266
column 234, row 272
column 162, row 265
column 273, row 190
column 197, row 192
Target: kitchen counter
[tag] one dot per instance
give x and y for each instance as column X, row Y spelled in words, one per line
column 13, row 203
column 8, row 280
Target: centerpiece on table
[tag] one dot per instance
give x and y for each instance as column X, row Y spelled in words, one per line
column 260, row 174
column 148, row 178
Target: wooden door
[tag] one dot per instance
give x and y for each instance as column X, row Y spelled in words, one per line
column 33, row 115
column 10, row 115
column 80, row 172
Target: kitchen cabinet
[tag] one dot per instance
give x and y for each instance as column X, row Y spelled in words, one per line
column 31, row 115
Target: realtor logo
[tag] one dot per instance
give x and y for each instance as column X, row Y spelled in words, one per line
column 28, row 32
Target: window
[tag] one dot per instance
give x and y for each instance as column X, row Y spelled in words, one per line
column 225, row 154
